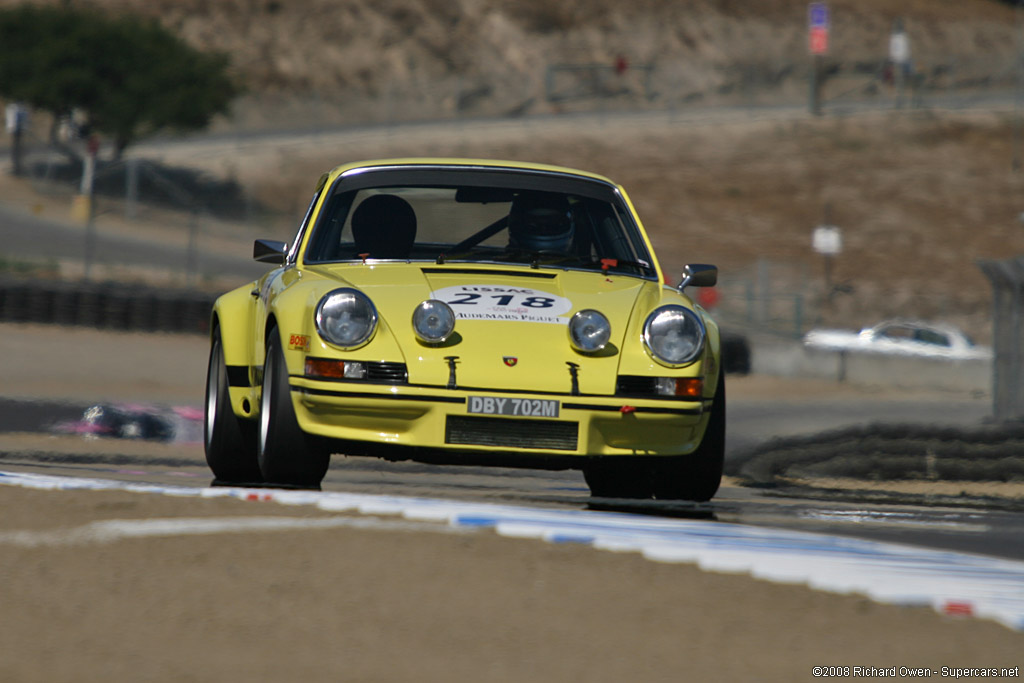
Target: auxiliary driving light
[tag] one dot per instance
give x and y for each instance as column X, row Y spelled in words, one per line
column 589, row 331
column 433, row 321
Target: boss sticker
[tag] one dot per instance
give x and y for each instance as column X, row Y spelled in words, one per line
column 497, row 302
column 298, row 342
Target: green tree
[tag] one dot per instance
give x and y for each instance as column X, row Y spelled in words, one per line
column 130, row 75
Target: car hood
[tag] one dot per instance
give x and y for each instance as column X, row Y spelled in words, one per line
column 511, row 330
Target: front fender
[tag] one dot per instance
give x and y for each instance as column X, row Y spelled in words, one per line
column 635, row 359
column 292, row 310
column 232, row 319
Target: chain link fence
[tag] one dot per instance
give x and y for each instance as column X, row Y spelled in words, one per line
column 772, row 298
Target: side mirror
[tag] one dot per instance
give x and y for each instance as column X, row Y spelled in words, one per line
column 269, row 251
column 698, row 275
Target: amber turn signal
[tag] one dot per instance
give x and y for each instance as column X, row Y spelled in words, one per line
column 325, row 367
column 690, row 387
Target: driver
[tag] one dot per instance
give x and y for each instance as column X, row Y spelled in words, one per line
column 540, row 221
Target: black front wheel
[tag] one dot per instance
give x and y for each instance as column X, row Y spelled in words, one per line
column 229, row 441
column 698, row 475
column 287, row 455
column 693, row 477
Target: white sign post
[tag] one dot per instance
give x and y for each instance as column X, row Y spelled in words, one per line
column 899, row 56
column 827, row 240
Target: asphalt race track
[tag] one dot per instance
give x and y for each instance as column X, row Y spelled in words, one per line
column 993, row 532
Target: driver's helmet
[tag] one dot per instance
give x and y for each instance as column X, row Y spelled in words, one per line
column 540, row 221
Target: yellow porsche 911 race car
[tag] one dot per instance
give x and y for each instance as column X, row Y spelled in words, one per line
column 468, row 311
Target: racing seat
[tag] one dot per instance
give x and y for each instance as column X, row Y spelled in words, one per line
column 384, row 226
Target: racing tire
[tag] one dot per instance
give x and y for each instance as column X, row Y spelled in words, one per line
column 697, row 476
column 287, row 456
column 229, row 441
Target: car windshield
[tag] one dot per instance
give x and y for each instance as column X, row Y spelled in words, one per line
column 481, row 217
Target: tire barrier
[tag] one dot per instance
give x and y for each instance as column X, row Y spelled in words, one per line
column 107, row 305
column 890, row 451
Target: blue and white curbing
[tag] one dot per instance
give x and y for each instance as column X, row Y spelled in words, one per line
column 950, row 582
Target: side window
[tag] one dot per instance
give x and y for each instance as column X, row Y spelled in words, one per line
column 293, row 250
column 897, row 333
column 932, row 337
column 325, row 242
column 612, row 236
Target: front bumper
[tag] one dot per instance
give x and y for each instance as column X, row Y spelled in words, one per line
column 436, row 418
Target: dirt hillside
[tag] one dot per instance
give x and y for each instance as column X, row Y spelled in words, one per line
column 346, row 60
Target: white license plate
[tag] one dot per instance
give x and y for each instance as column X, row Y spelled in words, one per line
column 520, row 407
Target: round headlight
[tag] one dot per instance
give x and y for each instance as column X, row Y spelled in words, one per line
column 589, row 331
column 674, row 335
column 433, row 321
column 346, row 318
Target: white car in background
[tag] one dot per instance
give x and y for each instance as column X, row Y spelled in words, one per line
column 901, row 338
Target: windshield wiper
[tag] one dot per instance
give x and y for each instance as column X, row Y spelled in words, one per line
column 588, row 263
column 539, row 259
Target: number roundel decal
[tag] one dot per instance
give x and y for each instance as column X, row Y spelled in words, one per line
column 498, row 302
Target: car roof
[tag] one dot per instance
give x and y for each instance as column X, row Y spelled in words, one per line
column 461, row 163
column 921, row 324
column 496, row 164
